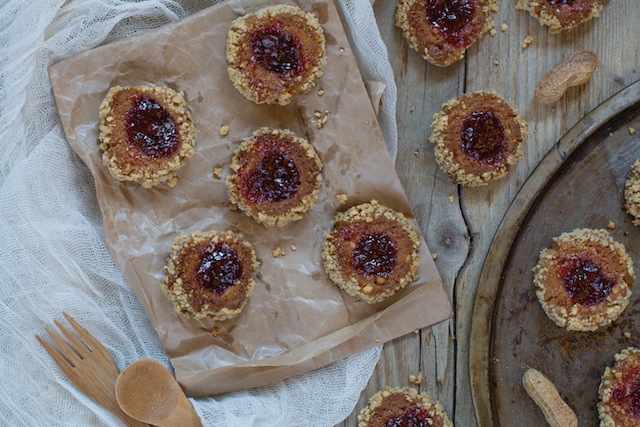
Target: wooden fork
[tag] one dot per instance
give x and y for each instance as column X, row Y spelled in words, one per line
column 88, row 365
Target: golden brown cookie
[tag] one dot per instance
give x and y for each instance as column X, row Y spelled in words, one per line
column 210, row 275
column 477, row 137
column 560, row 15
column 371, row 252
column 632, row 192
column 583, row 281
column 619, row 391
column 396, row 407
column 146, row 134
column 275, row 54
column 274, row 176
column 442, row 30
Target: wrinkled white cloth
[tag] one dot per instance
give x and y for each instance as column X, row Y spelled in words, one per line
column 52, row 251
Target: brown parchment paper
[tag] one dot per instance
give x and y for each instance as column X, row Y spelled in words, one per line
column 297, row 319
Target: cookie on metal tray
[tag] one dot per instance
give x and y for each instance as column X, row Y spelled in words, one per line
column 619, row 391
column 583, row 282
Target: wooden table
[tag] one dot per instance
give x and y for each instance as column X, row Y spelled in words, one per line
column 459, row 223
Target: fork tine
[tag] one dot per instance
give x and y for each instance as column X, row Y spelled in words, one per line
column 89, row 339
column 62, row 362
column 80, row 347
column 66, row 350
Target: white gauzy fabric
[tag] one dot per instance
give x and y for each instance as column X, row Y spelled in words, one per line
column 52, row 251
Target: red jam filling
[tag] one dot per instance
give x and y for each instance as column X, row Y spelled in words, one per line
column 627, row 395
column 150, row 128
column 277, row 50
column 578, row 8
column 452, row 19
column 483, row 138
column 219, row 268
column 412, row 417
column 584, row 280
column 275, row 178
column 374, row 255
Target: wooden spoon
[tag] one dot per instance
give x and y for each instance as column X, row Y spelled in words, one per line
column 148, row 392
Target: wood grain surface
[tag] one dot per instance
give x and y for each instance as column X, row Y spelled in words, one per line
column 459, row 223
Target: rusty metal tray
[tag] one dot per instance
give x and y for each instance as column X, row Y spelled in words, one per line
column 578, row 184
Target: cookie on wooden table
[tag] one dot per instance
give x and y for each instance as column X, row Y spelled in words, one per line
column 442, row 30
column 396, row 407
column 583, row 281
column 210, row 275
column 477, row 138
column 560, row 15
column 619, row 391
column 632, row 192
column 274, row 176
column 275, row 54
column 371, row 252
column 146, row 134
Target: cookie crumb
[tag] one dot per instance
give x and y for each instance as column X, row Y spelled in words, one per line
column 341, row 197
column 377, row 339
column 224, row 130
column 293, row 247
column 527, row 41
column 493, row 32
column 451, row 198
column 217, row 172
column 341, row 49
column 611, row 225
column 434, row 255
column 632, row 131
column 627, row 335
column 321, row 118
column 504, row 27
column 320, row 92
column 496, row 63
column 278, row 252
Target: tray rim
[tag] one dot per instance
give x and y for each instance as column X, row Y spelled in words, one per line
column 490, row 280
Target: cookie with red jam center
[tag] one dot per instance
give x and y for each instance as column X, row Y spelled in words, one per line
column 619, row 391
column 442, row 30
column 583, row 281
column 371, row 252
column 274, row 177
column 560, row 15
column 210, row 275
column 477, row 137
column 632, row 192
column 402, row 407
column 146, row 134
column 275, row 54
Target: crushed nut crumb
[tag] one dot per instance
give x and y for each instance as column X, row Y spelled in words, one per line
column 415, row 153
column 278, row 252
column 341, row 49
column 294, row 247
column 217, row 172
column 527, row 41
column 321, row 118
column 434, row 255
column 627, row 335
column 451, row 198
column 611, row 225
column 224, row 130
column 504, row 27
column 632, row 131
column 233, row 207
column 215, row 331
column 320, row 92
column 341, row 197
column 493, row 32
column 412, row 109
column 496, row 63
